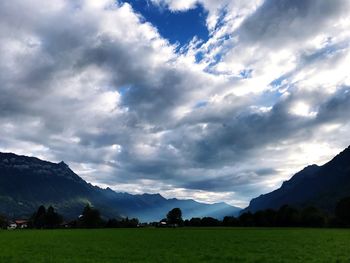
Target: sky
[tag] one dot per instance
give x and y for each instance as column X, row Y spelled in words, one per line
column 215, row 100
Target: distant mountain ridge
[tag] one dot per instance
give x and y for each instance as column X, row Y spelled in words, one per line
column 319, row 186
column 28, row 182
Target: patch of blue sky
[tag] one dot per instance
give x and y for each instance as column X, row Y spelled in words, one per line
column 124, row 89
column 199, row 56
column 277, row 83
column 282, row 83
column 216, row 59
column 178, row 27
column 201, row 104
column 246, row 73
column 269, row 99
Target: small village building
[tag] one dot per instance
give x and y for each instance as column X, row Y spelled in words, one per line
column 12, row 226
column 20, row 224
column 163, row 224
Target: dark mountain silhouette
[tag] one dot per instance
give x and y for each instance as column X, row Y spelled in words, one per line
column 28, row 182
column 319, row 186
column 151, row 207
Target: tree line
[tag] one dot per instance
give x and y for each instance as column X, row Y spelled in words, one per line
column 90, row 218
column 285, row 216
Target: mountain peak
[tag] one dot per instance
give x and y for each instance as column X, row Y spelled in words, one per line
column 63, row 164
column 28, row 181
column 342, row 158
column 319, row 186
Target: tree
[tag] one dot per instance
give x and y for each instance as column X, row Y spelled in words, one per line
column 133, row 222
column 230, row 221
column 312, row 217
column 288, row 216
column 113, row 223
column 3, row 222
column 187, row 222
column 91, row 217
column 174, row 217
column 265, row 218
column 210, row 221
column 46, row 218
column 246, row 219
column 125, row 222
column 39, row 218
column 53, row 219
column 342, row 211
column 195, row 221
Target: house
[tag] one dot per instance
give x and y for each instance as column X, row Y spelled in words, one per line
column 12, row 226
column 162, row 224
column 20, row 224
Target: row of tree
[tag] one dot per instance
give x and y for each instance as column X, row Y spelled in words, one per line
column 286, row 216
column 90, row 218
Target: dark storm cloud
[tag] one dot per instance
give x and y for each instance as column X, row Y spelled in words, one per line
column 336, row 108
column 234, row 139
column 233, row 182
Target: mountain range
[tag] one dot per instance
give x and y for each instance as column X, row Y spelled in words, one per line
column 319, row 186
column 28, row 182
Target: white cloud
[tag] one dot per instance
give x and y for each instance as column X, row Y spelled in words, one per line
column 302, row 109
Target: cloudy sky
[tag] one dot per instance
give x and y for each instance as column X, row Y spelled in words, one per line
column 216, row 100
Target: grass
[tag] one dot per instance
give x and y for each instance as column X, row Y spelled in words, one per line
column 176, row 245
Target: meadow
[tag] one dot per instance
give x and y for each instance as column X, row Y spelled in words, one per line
column 176, row 245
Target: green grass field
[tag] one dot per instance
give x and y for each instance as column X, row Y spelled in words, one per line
column 176, row 245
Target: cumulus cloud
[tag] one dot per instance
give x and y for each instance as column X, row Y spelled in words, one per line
column 94, row 84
